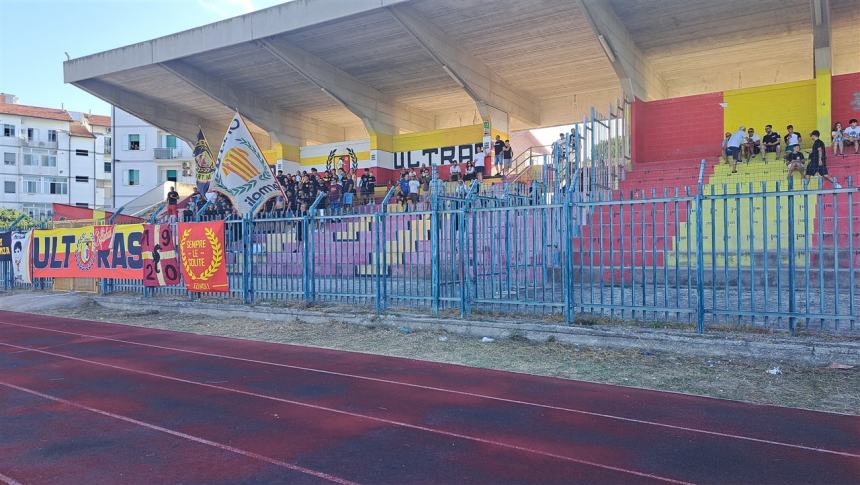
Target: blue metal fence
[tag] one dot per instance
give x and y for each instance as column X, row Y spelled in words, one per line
column 706, row 257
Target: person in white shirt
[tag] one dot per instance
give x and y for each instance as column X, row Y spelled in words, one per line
column 456, row 173
column 414, row 187
column 752, row 145
column 479, row 163
column 852, row 135
column 560, row 147
column 838, row 139
column 733, row 147
column 791, row 138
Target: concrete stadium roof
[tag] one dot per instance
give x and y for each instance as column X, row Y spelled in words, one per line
column 316, row 71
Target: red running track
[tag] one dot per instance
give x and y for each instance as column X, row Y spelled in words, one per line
column 92, row 402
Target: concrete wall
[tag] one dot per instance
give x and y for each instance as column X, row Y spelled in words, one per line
column 846, row 97
column 684, row 128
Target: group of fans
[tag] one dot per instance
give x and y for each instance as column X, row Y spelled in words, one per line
column 746, row 144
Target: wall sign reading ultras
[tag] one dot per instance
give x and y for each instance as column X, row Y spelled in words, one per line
column 436, row 156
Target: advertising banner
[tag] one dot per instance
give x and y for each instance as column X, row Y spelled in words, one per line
column 202, row 253
column 5, row 246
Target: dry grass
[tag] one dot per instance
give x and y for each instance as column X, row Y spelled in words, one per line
column 799, row 385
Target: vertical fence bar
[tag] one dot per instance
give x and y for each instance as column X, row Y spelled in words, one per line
column 792, row 297
column 700, row 257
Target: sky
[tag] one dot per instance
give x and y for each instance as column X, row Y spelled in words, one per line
column 38, row 33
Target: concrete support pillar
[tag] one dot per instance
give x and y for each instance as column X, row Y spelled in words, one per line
column 821, row 33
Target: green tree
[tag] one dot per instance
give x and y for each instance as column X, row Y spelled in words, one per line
column 8, row 216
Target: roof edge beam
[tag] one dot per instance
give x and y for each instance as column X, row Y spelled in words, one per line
column 159, row 114
column 378, row 113
column 638, row 78
column 287, row 126
column 482, row 84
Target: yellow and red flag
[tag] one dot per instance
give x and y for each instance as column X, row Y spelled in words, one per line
column 203, row 256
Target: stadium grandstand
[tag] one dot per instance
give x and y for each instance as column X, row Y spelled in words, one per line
column 636, row 212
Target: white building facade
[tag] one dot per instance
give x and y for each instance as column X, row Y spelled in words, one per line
column 146, row 160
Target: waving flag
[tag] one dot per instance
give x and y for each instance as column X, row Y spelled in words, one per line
column 203, row 161
column 241, row 172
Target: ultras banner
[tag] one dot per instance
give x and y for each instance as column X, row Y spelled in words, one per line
column 89, row 252
column 160, row 266
column 203, row 256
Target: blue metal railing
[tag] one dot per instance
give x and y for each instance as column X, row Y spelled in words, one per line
column 715, row 256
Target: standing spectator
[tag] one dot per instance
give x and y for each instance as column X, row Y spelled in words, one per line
column 838, row 139
column 480, row 163
column 560, row 147
column 456, row 174
column 724, row 147
column 403, row 191
column 498, row 149
column 851, row 135
column 414, row 187
column 733, row 147
column 791, row 138
column 507, row 157
column 794, row 160
column 752, row 145
column 172, row 201
column 818, row 160
column 770, row 143
column 368, row 185
column 425, row 178
column 282, row 179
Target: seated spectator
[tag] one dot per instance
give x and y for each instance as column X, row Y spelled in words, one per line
column 851, row 135
column 818, row 160
column 733, row 147
column 770, row 143
column 752, row 145
column 724, row 147
column 456, row 174
column 470, row 172
column 794, row 160
column 838, row 138
column 791, row 138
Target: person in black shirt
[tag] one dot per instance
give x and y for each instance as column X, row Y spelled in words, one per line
column 818, row 160
column 794, row 160
column 282, row 179
column 770, row 143
column 498, row 148
column 172, row 201
column 368, row 185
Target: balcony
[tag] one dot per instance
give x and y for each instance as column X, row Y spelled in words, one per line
column 165, row 153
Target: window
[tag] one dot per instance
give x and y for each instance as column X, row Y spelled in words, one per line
column 8, row 130
column 82, row 153
column 133, row 177
column 31, row 134
column 108, row 167
column 31, row 185
column 49, row 160
column 10, row 158
column 134, row 142
column 9, row 187
column 107, row 144
column 170, row 141
column 52, row 136
column 82, row 178
column 57, row 186
column 30, row 159
column 82, row 204
column 171, row 175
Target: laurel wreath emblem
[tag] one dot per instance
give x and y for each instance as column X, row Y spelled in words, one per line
column 217, row 255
